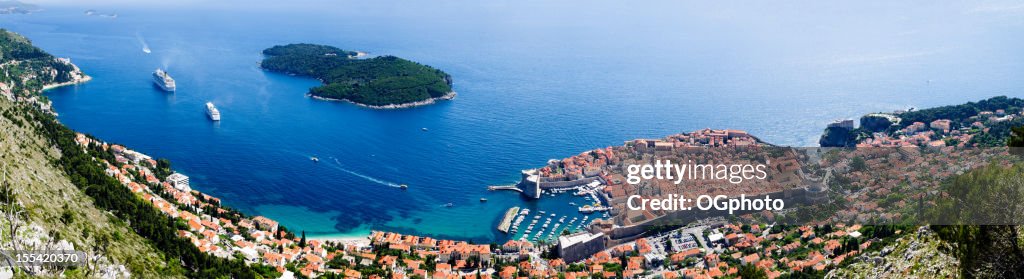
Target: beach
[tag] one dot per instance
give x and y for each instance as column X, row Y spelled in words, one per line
column 359, row 241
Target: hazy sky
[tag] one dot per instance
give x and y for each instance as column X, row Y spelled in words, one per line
column 851, row 32
column 992, row 6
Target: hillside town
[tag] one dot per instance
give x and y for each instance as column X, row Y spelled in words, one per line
column 607, row 166
column 257, row 239
column 866, row 178
column 707, row 249
column 852, row 198
column 939, row 132
column 722, row 247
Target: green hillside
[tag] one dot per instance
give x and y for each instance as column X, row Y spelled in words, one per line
column 55, row 195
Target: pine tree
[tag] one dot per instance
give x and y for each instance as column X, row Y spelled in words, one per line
column 1016, row 141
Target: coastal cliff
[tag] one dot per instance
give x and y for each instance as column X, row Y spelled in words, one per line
column 38, row 200
column 30, row 70
column 385, row 82
column 58, row 215
column 57, row 193
column 837, row 137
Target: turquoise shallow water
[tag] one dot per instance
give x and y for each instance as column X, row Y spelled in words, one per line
column 536, row 80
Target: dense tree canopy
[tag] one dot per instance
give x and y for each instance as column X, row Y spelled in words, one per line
column 961, row 113
column 19, row 58
column 981, row 212
column 996, row 133
column 1016, row 141
column 376, row 81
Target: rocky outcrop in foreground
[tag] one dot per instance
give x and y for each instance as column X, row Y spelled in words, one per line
column 915, row 255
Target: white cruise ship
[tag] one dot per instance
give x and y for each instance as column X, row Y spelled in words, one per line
column 212, row 111
column 163, row 80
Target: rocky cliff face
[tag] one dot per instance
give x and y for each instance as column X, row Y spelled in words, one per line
column 919, row 254
column 837, row 137
column 877, row 122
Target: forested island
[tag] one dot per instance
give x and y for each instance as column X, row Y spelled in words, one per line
column 379, row 82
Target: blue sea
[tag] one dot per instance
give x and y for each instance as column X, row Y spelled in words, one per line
column 536, row 80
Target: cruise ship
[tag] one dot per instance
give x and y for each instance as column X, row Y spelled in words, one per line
column 212, row 111
column 163, row 80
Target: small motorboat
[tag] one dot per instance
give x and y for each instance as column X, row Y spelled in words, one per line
column 314, row 159
column 449, row 205
column 403, row 186
column 424, row 129
column 483, row 199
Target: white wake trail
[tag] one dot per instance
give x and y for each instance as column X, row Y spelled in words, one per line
column 363, row 176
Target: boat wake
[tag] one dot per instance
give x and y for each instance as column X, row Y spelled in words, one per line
column 363, row 176
column 145, row 46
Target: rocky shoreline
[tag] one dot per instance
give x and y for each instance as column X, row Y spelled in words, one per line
column 84, row 79
column 446, row 97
